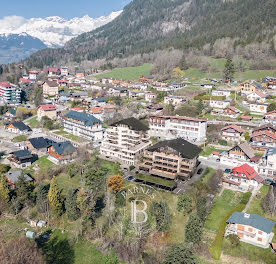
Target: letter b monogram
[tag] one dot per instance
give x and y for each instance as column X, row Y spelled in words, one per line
column 135, row 212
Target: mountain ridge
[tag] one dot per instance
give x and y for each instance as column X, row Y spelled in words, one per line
column 245, row 27
column 55, row 31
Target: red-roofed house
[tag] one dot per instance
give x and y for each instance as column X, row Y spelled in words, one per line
column 52, row 71
column 244, row 178
column 232, row 133
column 270, row 117
column 10, row 93
column 246, row 118
column 48, row 110
column 231, row 112
column 263, row 139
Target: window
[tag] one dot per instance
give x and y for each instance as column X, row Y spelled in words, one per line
column 259, row 239
column 250, row 229
column 260, row 232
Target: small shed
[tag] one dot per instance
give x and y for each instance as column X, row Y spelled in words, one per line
column 30, row 234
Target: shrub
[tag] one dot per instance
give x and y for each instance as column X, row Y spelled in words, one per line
column 131, row 167
column 222, row 142
column 245, row 198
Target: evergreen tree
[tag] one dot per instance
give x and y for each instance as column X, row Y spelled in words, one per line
column 193, row 229
column 200, row 107
column 55, row 199
column 201, row 208
column 71, row 207
column 42, row 198
column 161, row 212
column 180, row 254
column 229, row 69
column 23, row 190
column 185, row 203
column 4, row 190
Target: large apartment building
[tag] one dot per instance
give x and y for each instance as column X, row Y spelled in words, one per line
column 10, row 93
column 172, row 127
column 171, row 159
column 83, row 125
column 125, row 141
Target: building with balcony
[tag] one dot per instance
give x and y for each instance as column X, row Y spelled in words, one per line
column 21, row 158
column 172, row 127
column 83, row 125
column 232, row 133
column 171, row 159
column 10, row 93
column 270, row 117
column 251, row 228
column 261, row 140
column 219, row 104
column 125, row 141
column 244, row 178
column 62, row 152
column 50, row 88
column 258, row 108
column 267, row 167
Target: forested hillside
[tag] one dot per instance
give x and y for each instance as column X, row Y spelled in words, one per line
column 147, row 25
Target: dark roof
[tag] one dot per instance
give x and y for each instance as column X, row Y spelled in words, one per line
column 87, row 119
column 100, row 99
column 120, row 89
column 40, row 142
column 14, row 176
column 132, row 123
column 185, row 148
column 22, row 154
column 253, row 220
column 64, row 148
column 12, row 111
column 21, row 126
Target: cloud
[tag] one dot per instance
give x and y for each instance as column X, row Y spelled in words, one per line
column 9, row 23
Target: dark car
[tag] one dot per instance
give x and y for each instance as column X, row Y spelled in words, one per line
column 199, row 171
column 130, row 178
column 227, row 171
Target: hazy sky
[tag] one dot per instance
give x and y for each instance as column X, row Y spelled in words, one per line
column 63, row 8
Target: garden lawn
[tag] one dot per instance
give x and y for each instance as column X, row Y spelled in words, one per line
column 66, row 183
column 127, row 73
column 254, row 74
column 221, row 206
column 33, row 122
column 208, row 151
column 250, row 252
column 256, row 204
column 20, row 138
column 44, row 163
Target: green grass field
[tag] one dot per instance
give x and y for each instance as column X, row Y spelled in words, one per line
column 250, row 252
column 33, row 122
column 256, row 204
column 222, row 205
column 19, row 138
column 44, row 163
column 127, row 73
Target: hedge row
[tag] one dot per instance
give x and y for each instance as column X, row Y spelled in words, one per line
column 208, row 97
column 216, row 248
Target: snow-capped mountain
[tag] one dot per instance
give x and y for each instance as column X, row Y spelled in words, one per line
column 53, row 31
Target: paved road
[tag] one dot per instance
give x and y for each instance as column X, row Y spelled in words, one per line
column 212, row 163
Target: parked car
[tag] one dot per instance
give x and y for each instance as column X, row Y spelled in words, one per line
column 130, row 178
column 199, row 171
column 227, row 170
